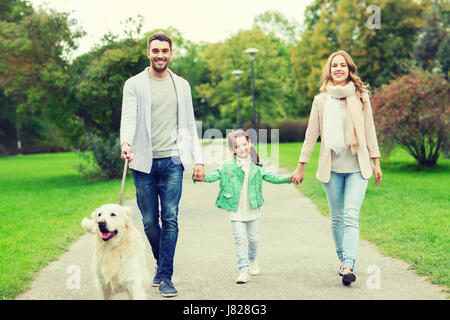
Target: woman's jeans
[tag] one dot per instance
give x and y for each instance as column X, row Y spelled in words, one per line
column 345, row 193
column 164, row 181
column 244, row 231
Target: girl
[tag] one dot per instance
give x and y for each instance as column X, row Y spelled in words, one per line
column 241, row 195
column 341, row 114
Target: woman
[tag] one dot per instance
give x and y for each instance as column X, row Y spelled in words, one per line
column 342, row 115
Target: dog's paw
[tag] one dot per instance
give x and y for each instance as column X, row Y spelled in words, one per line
column 88, row 225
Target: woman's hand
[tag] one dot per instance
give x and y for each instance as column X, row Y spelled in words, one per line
column 377, row 170
column 297, row 175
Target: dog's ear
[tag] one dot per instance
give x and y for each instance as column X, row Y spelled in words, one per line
column 94, row 213
column 88, row 225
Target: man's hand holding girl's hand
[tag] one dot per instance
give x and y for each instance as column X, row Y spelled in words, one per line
column 199, row 173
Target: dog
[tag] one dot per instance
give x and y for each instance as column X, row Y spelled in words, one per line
column 119, row 258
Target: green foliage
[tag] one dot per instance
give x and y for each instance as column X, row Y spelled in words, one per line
column 276, row 24
column 292, row 130
column 102, row 161
column 33, row 77
column 444, row 55
column 273, row 83
column 312, row 14
column 427, row 49
column 14, row 10
column 223, row 125
column 413, row 112
column 32, row 67
column 96, row 86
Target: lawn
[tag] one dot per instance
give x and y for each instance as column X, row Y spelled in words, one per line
column 407, row 216
column 43, row 202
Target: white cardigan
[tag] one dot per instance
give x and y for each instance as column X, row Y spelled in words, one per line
column 135, row 124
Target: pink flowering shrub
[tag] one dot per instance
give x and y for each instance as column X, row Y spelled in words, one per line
column 413, row 111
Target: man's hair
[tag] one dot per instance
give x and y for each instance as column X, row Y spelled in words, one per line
column 160, row 37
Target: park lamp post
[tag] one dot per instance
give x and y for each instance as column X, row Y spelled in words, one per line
column 237, row 74
column 252, row 52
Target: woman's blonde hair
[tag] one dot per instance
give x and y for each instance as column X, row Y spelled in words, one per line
column 352, row 75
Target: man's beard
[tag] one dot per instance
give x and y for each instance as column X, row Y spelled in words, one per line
column 162, row 69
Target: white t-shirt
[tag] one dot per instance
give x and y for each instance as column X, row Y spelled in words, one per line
column 245, row 212
column 345, row 162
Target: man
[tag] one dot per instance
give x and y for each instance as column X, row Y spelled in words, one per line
column 159, row 138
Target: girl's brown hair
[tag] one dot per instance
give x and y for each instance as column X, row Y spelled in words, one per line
column 361, row 88
column 241, row 133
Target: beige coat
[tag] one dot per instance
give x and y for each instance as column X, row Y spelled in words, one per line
column 368, row 149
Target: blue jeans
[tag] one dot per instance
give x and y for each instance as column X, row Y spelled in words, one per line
column 164, row 181
column 345, row 193
column 244, row 231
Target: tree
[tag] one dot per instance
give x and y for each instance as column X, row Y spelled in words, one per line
column 444, row 55
column 32, row 65
column 14, row 10
column 276, row 24
column 312, row 14
column 272, row 78
column 427, row 49
column 413, row 111
column 97, row 82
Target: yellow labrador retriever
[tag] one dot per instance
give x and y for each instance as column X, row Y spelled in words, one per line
column 119, row 259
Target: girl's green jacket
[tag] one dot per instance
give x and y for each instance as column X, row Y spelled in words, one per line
column 231, row 178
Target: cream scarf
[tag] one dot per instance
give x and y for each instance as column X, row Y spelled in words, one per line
column 336, row 136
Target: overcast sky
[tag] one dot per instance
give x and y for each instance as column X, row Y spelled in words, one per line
column 197, row 20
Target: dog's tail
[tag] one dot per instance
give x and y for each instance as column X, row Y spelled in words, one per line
column 88, row 225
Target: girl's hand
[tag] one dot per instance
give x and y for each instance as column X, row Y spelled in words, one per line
column 199, row 172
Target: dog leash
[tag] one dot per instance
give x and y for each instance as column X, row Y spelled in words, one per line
column 123, row 181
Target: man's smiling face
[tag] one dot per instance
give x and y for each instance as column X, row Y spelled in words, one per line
column 159, row 54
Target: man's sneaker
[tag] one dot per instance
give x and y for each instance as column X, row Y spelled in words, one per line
column 243, row 277
column 254, row 268
column 157, row 279
column 167, row 289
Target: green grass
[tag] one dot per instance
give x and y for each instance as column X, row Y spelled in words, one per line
column 43, row 202
column 407, row 216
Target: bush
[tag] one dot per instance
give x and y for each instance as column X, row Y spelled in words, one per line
column 223, row 125
column 292, row 130
column 104, row 163
column 413, row 112
column 262, row 125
